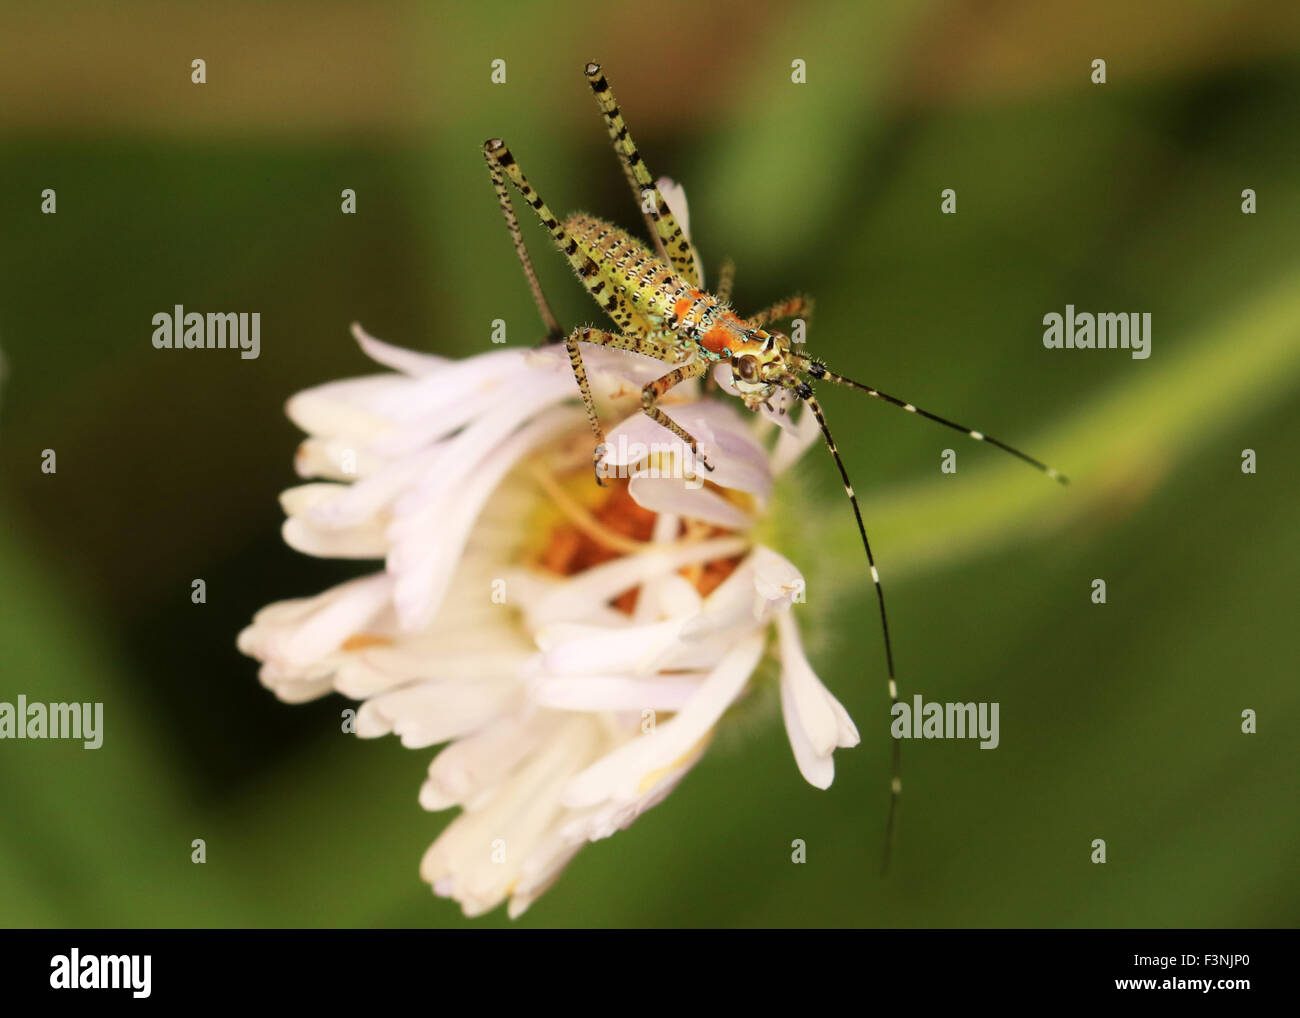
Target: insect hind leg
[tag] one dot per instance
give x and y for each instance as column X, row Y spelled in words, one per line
column 670, row 239
column 492, row 153
column 502, row 167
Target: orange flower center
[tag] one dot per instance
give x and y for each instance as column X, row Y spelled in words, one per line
column 613, row 525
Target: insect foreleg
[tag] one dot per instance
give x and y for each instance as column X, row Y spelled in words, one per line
column 654, row 390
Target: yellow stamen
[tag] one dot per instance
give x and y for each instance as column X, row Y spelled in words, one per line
column 360, row 641
column 581, row 518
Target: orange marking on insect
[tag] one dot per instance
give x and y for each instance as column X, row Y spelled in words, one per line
column 682, row 306
column 717, row 339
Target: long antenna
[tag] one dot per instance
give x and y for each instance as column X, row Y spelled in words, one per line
column 819, row 370
column 804, row 392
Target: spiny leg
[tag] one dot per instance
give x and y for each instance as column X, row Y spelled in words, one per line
column 654, row 390
column 639, row 197
column 791, row 307
column 726, row 278
column 668, row 235
column 554, row 333
column 819, row 370
column 896, row 770
column 599, row 337
column 588, row 272
column 631, row 177
column 500, row 158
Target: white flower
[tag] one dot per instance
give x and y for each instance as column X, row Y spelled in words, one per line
column 574, row 646
column 634, row 615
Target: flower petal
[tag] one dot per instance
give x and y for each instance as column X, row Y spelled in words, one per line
column 633, row 770
column 815, row 721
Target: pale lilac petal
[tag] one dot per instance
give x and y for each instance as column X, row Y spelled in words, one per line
column 429, row 536
column 776, row 580
column 610, row 370
column 669, row 595
column 816, row 723
column 792, row 444
column 368, row 497
column 576, row 597
column 470, row 769
column 630, row 771
column 738, row 459
column 427, row 713
column 349, row 409
column 763, row 585
column 486, row 401
column 670, row 495
column 408, row 362
column 335, row 459
column 578, row 649
column 518, row 821
column 674, row 196
column 616, row 692
column 817, row 768
column 303, row 631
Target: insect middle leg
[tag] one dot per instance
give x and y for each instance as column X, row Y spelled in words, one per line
column 617, row 341
column 726, row 278
column 791, row 307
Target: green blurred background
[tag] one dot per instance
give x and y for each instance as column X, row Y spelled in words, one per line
column 1119, row 722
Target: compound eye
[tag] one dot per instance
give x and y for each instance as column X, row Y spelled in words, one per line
column 746, row 367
